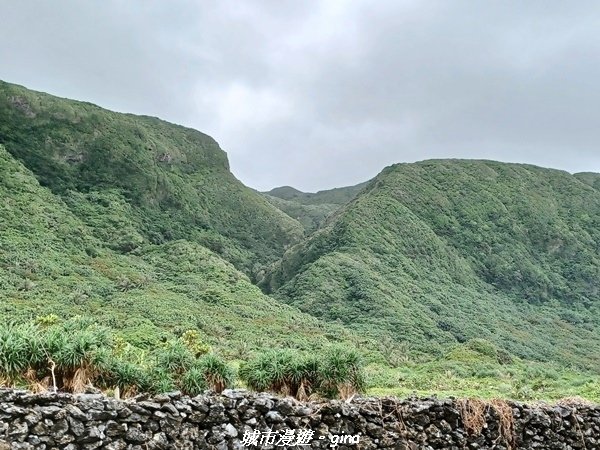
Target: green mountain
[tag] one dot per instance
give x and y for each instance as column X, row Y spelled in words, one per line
column 311, row 209
column 445, row 251
column 96, row 221
column 336, row 196
column 591, row 178
column 137, row 180
column 139, row 224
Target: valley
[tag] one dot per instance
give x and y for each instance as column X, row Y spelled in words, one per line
column 449, row 277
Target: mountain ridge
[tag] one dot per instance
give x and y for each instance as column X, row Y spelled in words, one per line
column 173, row 179
column 473, row 234
column 141, row 223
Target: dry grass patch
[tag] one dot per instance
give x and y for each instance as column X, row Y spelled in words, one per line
column 475, row 412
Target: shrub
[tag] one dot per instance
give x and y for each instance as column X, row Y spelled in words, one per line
column 284, row 371
column 20, row 349
column 125, row 375
column 158, row 380
column 193, row 341
column 66, row 353
column 47, row 320
column 174, row 357
column 341, row 372
column 193, row 382
column 217, row 374
column 338, row 372
column 483, row 347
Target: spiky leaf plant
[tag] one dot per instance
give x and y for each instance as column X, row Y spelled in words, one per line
column 217, row 374
column 287, row 372
column 158, row 380
column 20, row 349
column 174, row 357
column 192, row 382
column 341, row 372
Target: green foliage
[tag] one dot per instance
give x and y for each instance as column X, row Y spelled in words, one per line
column 193, row 382
column 341, row 369
column 175, row 357
column 77, row 351
column 463, row 372
column 149, row 295
column 462, row 275
column 311, row 210
column 217, row 374
column 336, row 196
column 336, row 372
column 136, row 180
column 125, row 375
column 193, row 341
column 71, row 350
column 47, row 320
column 159, row 380
column 20, row 348
column 437, row 253
column 285, row 371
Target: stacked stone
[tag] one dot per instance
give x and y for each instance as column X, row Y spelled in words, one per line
column 172, row 421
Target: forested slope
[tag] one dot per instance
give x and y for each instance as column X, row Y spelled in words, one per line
column 311, row 209
column 138, row 180
column 140, row 225
column 448, row 250
column 137, row 223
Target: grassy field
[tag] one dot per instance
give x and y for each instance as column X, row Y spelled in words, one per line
column 467, row 373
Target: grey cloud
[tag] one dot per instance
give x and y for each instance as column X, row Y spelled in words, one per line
column 321, row 94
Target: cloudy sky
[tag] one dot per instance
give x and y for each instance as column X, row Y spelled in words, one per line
column 317, row 94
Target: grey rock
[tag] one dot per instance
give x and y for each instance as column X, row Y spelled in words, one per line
column 18, row 431
column 159, row 441
column 92, row 434
column 51, row 421
column 152, row 406
column 76, row 413
column 116, row 445
column 76, row 426
column 274, row 417
column 136, row 435
column 59, row 428
column 114, row 429
column 33, row 418
column 230, row 430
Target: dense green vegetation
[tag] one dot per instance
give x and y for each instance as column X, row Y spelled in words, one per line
column 137, row 179
column 441, row 252
column 129, row 258
column 337, row 372
column 311, row 209
column 473, row 369
column 71, row 355
column 60, row 259
column 335, row 196
column 591, row 178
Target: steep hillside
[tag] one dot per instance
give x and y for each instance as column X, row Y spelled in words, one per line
column 138, row 180
column 51, row 262
column 591, row 178
column 311, row 209
column 310, row 216
column 336, row 196
column 445, row 251
column 139, row 224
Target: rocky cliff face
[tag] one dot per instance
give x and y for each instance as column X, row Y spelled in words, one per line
column 238, row 419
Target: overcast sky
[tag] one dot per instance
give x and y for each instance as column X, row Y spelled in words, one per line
column 323, row 94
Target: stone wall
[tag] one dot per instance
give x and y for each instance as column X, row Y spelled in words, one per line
column 172, row 421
